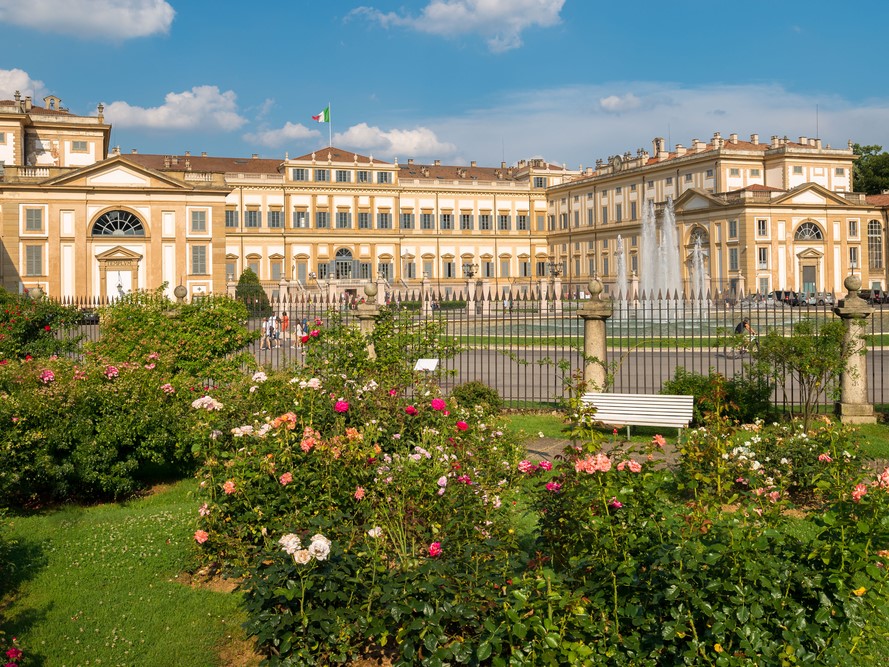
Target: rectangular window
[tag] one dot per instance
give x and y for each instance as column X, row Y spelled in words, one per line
column 78, row 147
column 762, row 228
column 199, row 260
column 410, row 270
column 733, row 229
column 252, row 218
column 466, row 221
column 343, row 176
column 322, row 219
column 276, row 219
column 632, row 210
column 364, row 270
column 343, row 220
column 618, row 190
column 591, row 266
column 618, row 213
column 322, row 175
column 539, row 181
column 563, row 221
column 525, row 268
column 688, row 178
column 754, row 173
column 541, row 269
column 604, row 215
column 300, row 219
column 762, row 258
column 650, row 184
column 504, row 268
column 33, row 219
column 634, row 262
column 427, row 268
column 323, row 270
column 33, row 260
column 407, row 220
column 541, row 222
column 853, row 229
column 503, row 223
column 385, row 270
column 446, row 221
column 733, row 259
column 798, row 171
column 426, row 221
column 384, row 177
column 199, row 222
column 734, row 171
column 839, row 171
column 364, row 177
column 488, row 269
column 384, row 221
column 364, row 221
column 277, row 269
column 589, row 217
column 484, row 221
column 604, row 266
column 521, row 223
column 231, row 217
column 709, row 173
column 299, row 174
column 230, row 268
column 605, row 244
column 448, row 268
column 577, row 218
column 669, row 182
column 853, row 257
column 2, row 137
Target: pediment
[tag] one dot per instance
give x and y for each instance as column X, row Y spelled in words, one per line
column 811, row 194
column 118, row 253
column 117, row 172
column 810, row 253
column 694, row 199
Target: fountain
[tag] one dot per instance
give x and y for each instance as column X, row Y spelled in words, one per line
column 698, row 279
column 621, row 287
column 661, row 281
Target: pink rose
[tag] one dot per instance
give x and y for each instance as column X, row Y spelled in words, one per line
column 229, row 487
column 359, row 493
column 341, row 406
column 393, row 392
column 545, row 465
column 411, row 410
column 615, row 504
column 553, row 487
column 825, row 458
column 462, row 426
column 658, row 440
column 438, row 404
column 859, row 492
column 201, row 536
column 285, row 479
column 435, row 550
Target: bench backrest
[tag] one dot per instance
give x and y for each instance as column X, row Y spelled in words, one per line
column 641, row 409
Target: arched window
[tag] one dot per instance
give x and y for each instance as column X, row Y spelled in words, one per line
column 699, row 233
column 875, row 244
column 343, row 263
column 809, row 231
column 118, row 223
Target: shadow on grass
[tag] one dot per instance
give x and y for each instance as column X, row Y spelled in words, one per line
column 20, row 561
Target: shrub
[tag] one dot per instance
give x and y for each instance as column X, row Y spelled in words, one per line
column 35, row 327
column 251, row 294
column 741, row 398
column 478, row 395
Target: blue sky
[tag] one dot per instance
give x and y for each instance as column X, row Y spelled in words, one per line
column 571, row 81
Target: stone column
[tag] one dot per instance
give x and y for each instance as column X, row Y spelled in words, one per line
column 541, row 287
column 854, row 407
column 380, row 291
column 594, row 312
column 470, row 297
column 231, row 288
column 486, row 297
column 557, row 294
column 367, row 316
column 283, row 289
column 425, row 296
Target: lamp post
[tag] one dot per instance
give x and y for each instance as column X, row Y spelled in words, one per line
column 470, row 270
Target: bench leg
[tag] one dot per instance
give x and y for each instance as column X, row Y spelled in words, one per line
column 628, row 432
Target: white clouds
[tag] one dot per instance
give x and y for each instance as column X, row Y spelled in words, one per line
column 502, row 20
column 281, row 137
column 12, row 80
column 114, row 19
column 417, row 143
column 202, row 107
column 618, row 103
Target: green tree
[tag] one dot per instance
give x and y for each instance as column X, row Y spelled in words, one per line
column 37, row 327
column 811, row 359
column 251, row 293
column 871, row 171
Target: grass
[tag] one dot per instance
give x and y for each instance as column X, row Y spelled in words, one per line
column 875, row 440
column 103, row 585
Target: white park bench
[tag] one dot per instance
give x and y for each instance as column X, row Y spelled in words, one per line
column 641, row 409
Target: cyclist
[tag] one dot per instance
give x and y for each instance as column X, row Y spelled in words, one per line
column 749, row 335
column 744, row 326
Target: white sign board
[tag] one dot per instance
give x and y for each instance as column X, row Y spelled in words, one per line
column 426, row 365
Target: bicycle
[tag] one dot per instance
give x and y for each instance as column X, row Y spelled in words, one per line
column 747, row 345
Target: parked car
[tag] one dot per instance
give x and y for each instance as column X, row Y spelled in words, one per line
column 874, row 296
column 820, row 299
column 787, row 297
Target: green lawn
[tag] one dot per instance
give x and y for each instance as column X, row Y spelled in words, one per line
column 103, row 585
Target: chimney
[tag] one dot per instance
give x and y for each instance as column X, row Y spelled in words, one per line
column 167, row 161
column 18, row 97
column 472, row 163
column 187, row 153
column 717, row 140
column 134, row 151
column 115, row 150
column 680, row 149
column 698, row 145
column 818, row 144
column 754, row 139
column 503, row 165
column 436, row 163
column 774, row 141
column 657, row 146
column 255, row 156
column 733, row 137
column 27, row 103
column 203, row 153
column 803, row 140
column 410, row 161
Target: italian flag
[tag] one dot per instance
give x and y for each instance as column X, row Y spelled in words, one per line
column 323, row 117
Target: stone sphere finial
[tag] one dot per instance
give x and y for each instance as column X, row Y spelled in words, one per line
column 852, row 283
column 180, row 292
column 370, row 289
column 596, row 288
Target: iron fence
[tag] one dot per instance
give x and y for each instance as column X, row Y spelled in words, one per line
column 529, row 346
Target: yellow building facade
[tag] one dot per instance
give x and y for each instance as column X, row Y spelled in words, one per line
column 78, row 219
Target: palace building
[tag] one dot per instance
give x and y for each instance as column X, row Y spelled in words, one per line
column 80, row 219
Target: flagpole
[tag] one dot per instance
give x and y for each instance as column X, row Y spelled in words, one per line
column 329, row 127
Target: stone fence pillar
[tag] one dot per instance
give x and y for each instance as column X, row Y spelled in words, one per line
column 367, row 316
column 854, row 406
column 594, row 313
